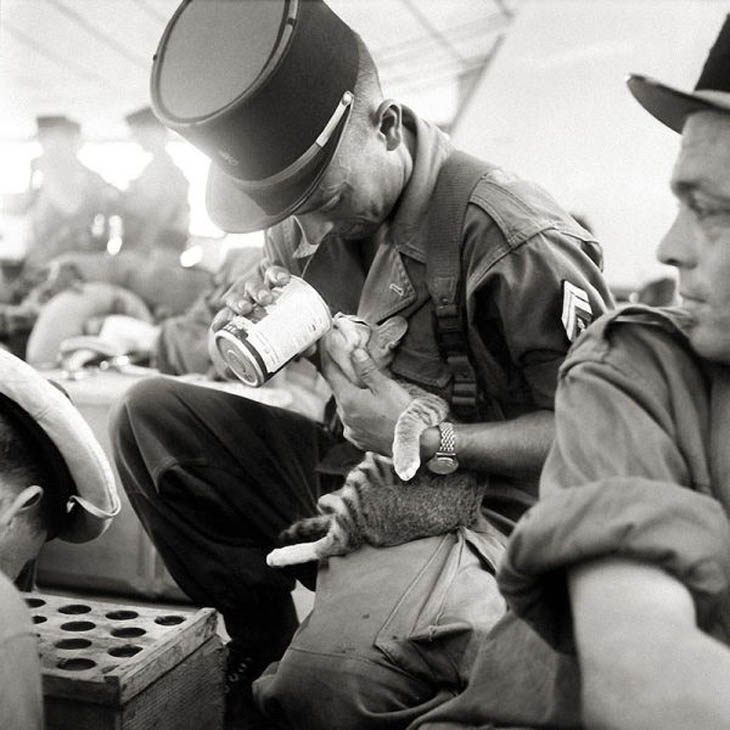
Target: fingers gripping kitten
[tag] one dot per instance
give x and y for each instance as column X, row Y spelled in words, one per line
column 349, row 333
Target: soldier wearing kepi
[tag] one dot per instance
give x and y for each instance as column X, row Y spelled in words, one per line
column 55, row 481
column 619, row 577
column 374, row 208
column 155, row 207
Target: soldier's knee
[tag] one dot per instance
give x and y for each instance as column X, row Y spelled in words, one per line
column 136, row 413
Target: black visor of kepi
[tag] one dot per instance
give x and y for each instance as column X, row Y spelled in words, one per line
column 265, row 89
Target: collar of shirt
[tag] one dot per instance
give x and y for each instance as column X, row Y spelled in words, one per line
column 432, row 148
column 388, row 288
column 404, row 231
column 305, row 248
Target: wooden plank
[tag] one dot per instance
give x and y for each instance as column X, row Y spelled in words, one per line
column 188, row 697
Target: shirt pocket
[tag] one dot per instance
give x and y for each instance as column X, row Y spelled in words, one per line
column 417, row 358
column 421, row 368
column 434, row 630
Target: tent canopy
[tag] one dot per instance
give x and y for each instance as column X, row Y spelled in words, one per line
column 90, row 59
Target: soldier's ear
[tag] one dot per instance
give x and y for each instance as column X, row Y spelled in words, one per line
column 389, row 117
column 386, row 337
column 24, row 501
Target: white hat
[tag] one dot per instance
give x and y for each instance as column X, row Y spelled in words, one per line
column 92, row 493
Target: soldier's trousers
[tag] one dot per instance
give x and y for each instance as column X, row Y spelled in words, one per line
column 394, row 631
column 215, row 478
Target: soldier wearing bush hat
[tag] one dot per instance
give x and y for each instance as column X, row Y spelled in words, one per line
column 55, row 481
column 76, row 493
column 374, row 208
column 619, row 578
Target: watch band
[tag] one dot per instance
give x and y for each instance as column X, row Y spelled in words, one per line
column 447, row 447
column 444, row 461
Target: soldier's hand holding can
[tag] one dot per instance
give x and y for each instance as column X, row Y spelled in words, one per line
column 248, row 292
column 267, row 321
column 242, row 297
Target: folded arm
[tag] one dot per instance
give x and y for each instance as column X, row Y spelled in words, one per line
column 624, row 559
column 644, row 662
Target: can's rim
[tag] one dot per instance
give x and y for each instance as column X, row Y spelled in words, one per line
column 239, row 359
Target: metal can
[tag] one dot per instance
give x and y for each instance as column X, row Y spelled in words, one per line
column 254, row 351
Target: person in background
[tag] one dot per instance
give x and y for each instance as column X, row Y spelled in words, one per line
column 67, row 204
column 619, row 577
column 66, row 208
column 107, row 307
column 55, row 481
column 140, row 275
column 661, row 292
column 155, row 210
column 350, row 186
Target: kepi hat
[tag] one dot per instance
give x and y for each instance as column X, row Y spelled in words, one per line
column 142, row 117
column 265, row 89
column 83, row 480
column 57, row 121
column 712, row 91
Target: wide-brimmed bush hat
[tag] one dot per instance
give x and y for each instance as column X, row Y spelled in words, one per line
column 83, row 486
column 711, row 93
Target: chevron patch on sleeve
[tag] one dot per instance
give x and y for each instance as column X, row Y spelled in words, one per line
column 577, row 313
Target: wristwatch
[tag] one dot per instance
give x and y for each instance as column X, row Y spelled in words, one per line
column 444, row 461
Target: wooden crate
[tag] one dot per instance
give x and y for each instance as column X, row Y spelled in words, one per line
column 112, row 666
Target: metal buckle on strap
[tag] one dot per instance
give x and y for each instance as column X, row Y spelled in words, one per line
column 447, row 311
column 464, row 388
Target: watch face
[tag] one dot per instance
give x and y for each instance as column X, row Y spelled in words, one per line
column 442, row 464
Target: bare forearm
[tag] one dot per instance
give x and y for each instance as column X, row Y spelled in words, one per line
column 515, row 448
column 685, row 687
column 644, row 663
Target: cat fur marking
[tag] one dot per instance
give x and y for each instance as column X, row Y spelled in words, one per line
column 384, row 501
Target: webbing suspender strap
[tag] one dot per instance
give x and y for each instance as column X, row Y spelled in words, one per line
column 456, row 181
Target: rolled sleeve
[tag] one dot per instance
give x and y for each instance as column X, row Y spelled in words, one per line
column 627, row 476
column 680, row 531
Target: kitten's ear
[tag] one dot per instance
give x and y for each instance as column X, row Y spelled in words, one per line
column 387, row 335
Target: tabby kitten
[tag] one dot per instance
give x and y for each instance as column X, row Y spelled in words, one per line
column 384, row 501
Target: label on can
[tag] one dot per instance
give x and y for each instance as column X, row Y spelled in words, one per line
column 297, row 319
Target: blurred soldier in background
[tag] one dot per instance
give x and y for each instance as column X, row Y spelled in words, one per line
column 155, row 209
column 66, row 208
column 66, row 204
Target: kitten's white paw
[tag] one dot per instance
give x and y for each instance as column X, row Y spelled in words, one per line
column 291, row 555
column 405, row 468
